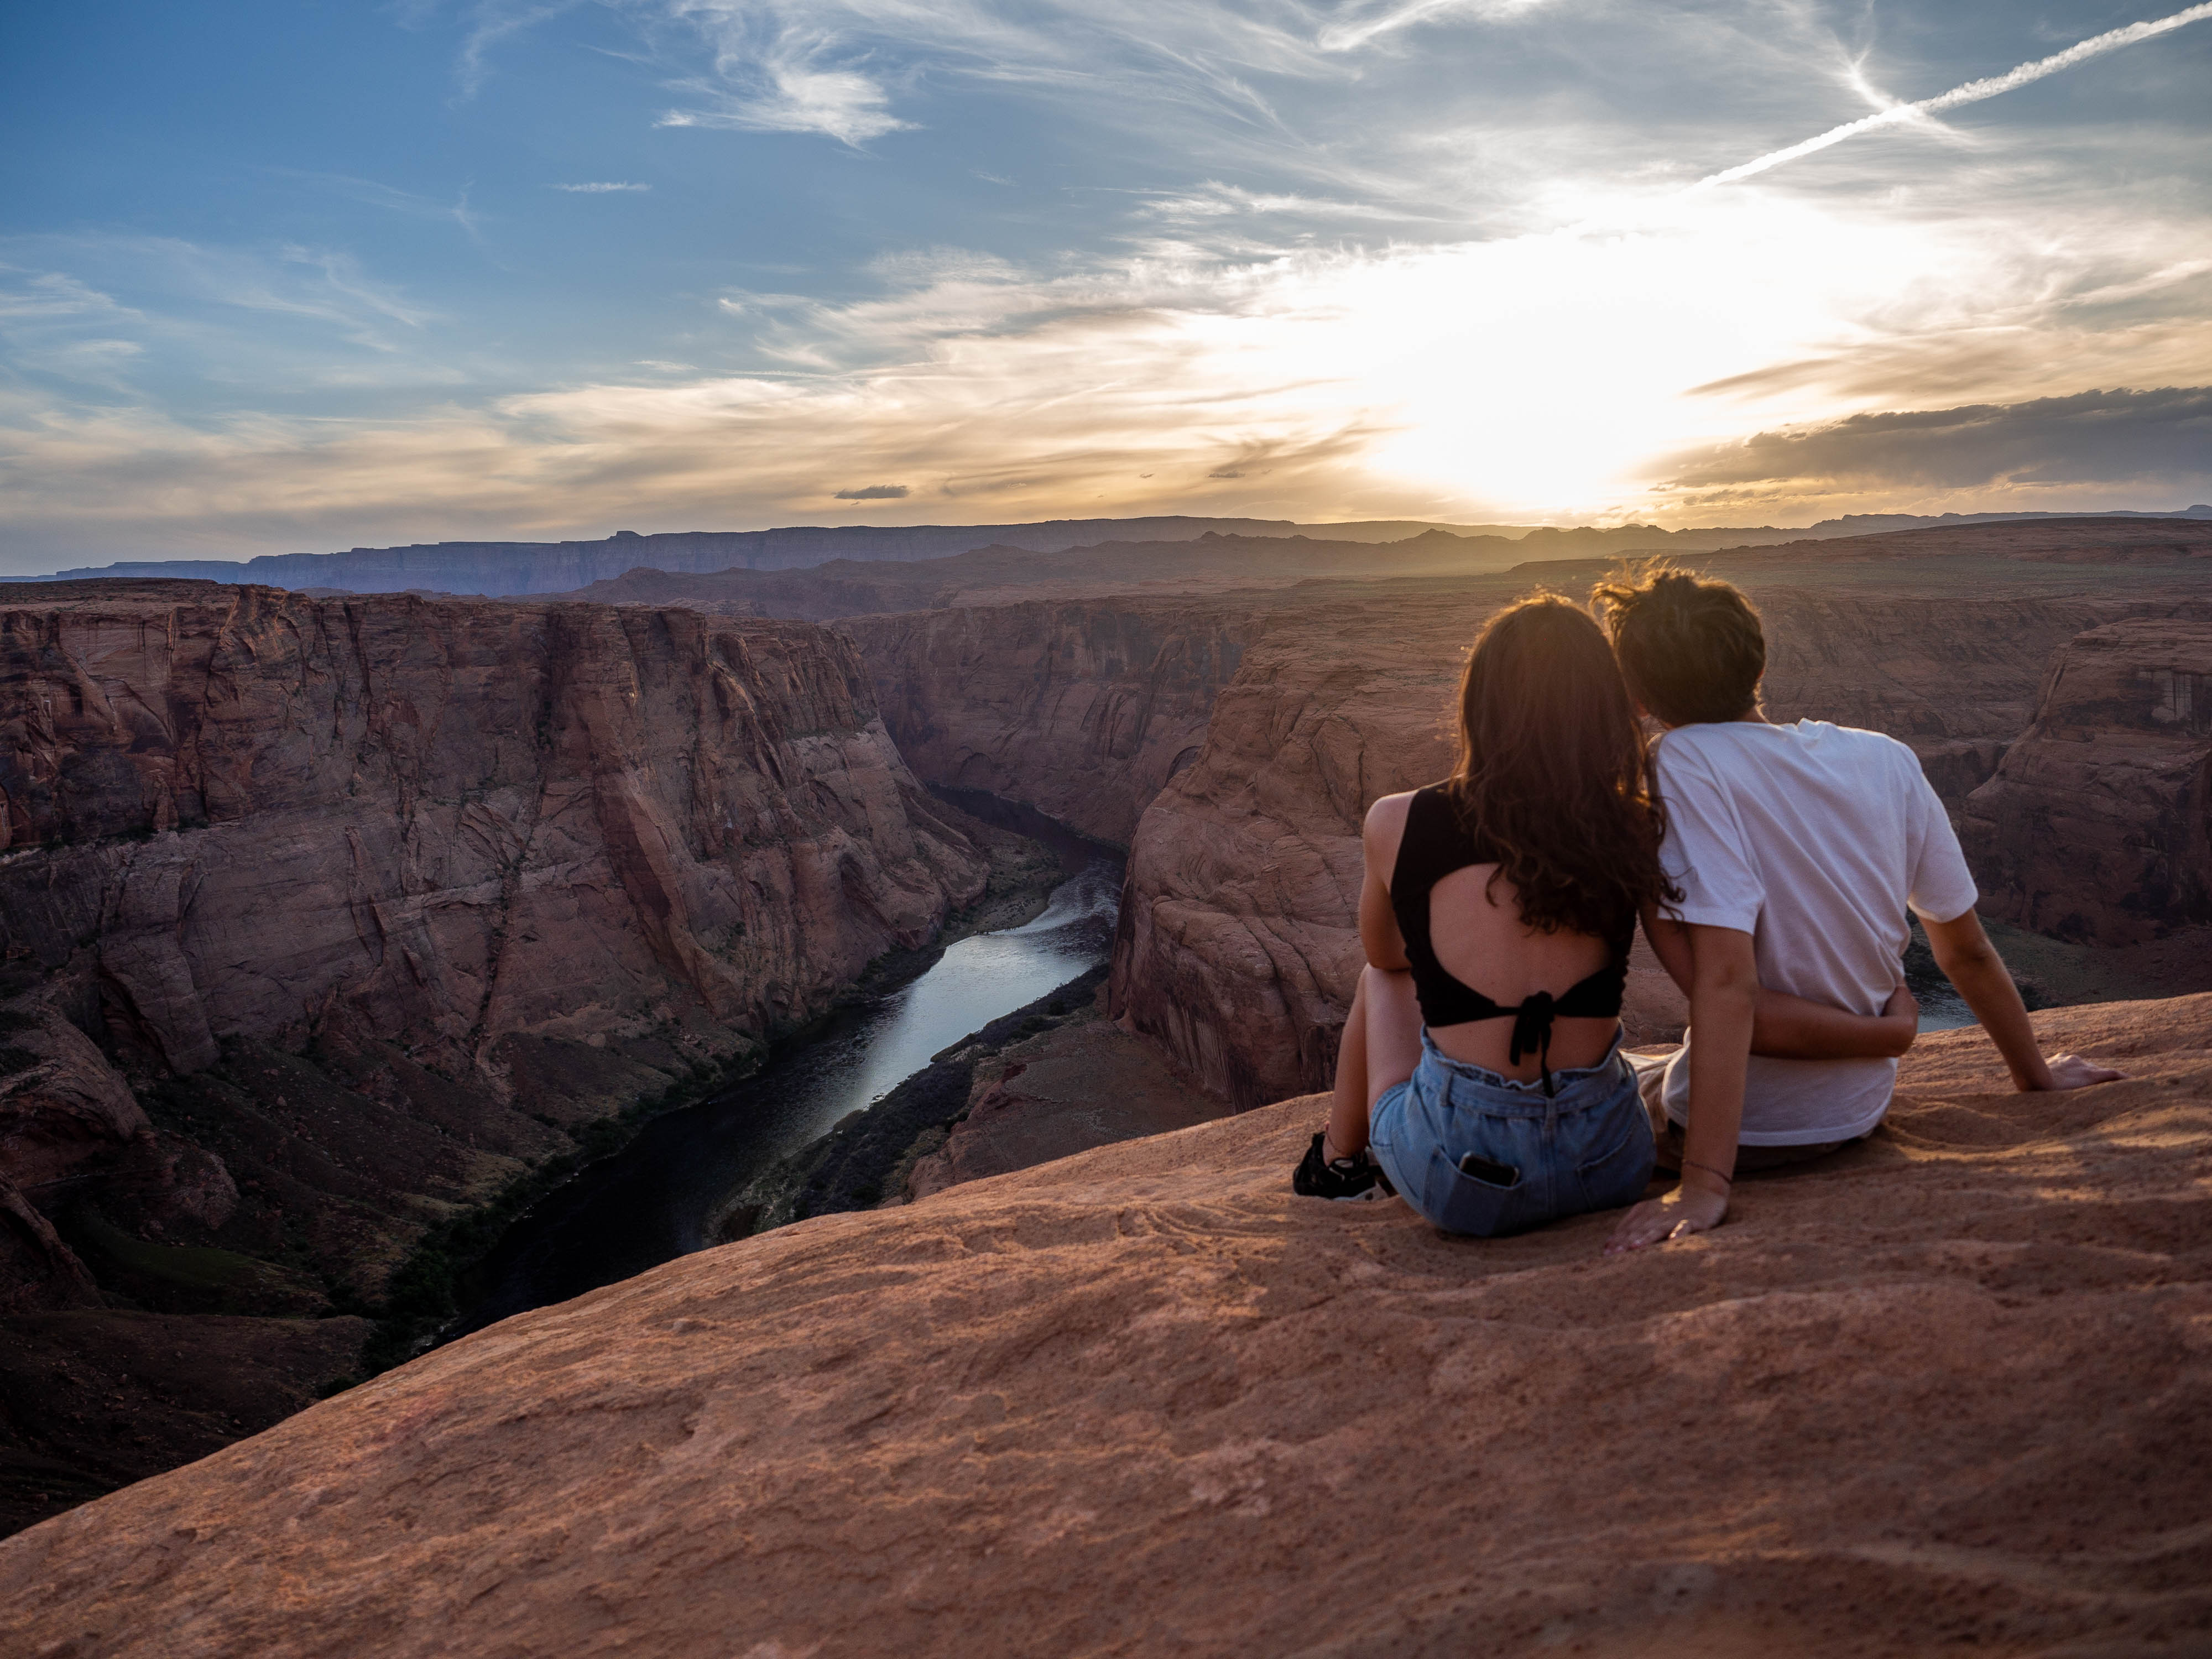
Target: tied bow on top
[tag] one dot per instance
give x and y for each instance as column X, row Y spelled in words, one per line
column 1532, row 1032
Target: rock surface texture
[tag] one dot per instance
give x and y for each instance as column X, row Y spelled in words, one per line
column 376, row 901
column 1945, row 1390
column 1083, row 708
column 258, row 814
column 2099, row 824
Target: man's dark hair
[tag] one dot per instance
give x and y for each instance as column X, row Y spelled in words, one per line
column 1691, row 650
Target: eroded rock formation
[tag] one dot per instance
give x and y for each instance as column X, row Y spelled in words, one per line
column 1145, row 1401
column 2098, row 826
column 379, row 901
column 258, row 814
column 1083, row 708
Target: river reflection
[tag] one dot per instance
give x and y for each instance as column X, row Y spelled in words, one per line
column 652, row 1201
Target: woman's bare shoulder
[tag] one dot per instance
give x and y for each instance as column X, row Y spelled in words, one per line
column 1389, row 812
column 1386, row 819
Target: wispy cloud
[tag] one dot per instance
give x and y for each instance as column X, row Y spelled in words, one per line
column 413, row 203
column 1289, row 257
column 1973, row 92
column 599, row 189
column 874, row 493
column 2158, row 442
column 1357, row 32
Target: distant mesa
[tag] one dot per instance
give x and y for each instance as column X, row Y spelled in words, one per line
column 500, row 568
column 874, row 493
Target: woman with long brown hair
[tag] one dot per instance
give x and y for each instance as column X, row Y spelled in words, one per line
column 1481, row 1074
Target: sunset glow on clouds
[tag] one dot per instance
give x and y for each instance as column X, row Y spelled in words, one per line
column 716, row 264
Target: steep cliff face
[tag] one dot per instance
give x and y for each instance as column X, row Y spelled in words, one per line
column 245, row 812
column 377, row 902
column 1082, row 709
column 1144, row 1400
column 2098, row 827
column 1238, row 947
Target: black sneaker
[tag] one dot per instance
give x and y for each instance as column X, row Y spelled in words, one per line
column 1345, row 1178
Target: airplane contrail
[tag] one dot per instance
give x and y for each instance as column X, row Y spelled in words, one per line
column 1972, row 93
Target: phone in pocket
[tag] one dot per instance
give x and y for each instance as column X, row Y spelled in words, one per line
column 1495, row 1174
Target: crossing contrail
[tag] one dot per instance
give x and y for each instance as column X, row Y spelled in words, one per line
column 1972, row 93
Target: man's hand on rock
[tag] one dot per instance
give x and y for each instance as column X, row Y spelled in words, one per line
column 1685, row 1211
column 2072, row 1072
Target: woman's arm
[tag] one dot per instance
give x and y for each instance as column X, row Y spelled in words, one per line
column 1795, row 1028
column 1378, row 922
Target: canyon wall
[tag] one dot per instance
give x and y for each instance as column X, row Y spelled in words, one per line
column 321, row 918
column 243, row 812
column 2098, row 826
column 1083, row 710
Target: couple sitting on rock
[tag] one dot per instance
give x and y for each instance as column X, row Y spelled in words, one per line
column 1481, row 1075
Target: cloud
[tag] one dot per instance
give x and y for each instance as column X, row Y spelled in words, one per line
column 1351, row 36
column 599, row 189
column 874, row 493
column 2157, row 441
column 413, row 203
column 1973, row 92
column 1444, row 269
column 1561, row 373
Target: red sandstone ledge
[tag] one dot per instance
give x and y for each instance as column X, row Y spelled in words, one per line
column 1949, row 1390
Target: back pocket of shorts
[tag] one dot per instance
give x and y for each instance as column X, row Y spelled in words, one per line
column 1618, row 1175
column 1460, row 1202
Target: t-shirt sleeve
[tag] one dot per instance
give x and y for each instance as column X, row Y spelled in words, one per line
column 1941, row 887
column 1705, row 853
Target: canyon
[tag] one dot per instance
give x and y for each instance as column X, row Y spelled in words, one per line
column 2097, row 825
column 1946, row 1390
column 322, row 920
column 1234, row 739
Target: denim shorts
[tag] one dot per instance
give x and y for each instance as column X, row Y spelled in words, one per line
column 1588, row 1146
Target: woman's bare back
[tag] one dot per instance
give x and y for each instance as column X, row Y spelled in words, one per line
column 1479, row 938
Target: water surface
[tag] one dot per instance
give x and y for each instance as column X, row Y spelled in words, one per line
column 654, row 1200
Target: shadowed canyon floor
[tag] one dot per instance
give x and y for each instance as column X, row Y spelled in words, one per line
column 1949, row 1389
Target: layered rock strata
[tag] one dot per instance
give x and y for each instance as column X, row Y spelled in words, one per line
column 379, row 903
column 1083, row 710
column 1946, row 1390
column 2098, row 826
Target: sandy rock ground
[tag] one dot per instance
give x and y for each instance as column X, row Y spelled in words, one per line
column 1083, row 1084
column 1948, row 1390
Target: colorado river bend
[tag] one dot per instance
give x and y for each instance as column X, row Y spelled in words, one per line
column 655, row 1199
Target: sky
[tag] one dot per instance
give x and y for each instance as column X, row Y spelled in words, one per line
column 289, row 276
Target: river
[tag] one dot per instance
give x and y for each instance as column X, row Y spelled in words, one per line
column 653, row 1201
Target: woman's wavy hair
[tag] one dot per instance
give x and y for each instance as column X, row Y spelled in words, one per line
column 1554, row 771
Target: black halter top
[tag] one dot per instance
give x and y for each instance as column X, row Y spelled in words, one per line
column 1435, row 844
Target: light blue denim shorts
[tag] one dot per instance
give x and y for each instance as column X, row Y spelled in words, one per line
column 1536, row 1158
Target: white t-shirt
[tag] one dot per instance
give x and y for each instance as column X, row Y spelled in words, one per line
column 1811, row 838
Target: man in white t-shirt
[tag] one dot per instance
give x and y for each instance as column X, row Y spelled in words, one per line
column 1798, row 849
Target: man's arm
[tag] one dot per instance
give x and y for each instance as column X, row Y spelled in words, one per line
column 1796, row 1028
column 1972, row 965
column 1723, row 1003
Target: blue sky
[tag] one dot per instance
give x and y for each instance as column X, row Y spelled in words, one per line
column 294, row 277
